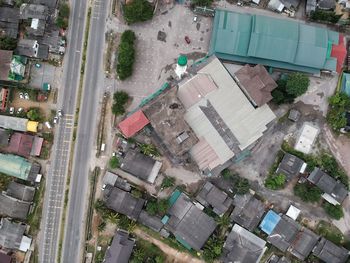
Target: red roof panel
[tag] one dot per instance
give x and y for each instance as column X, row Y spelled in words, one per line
column 339, row 52
column 133, row 124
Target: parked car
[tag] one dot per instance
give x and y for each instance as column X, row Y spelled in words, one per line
column 12, row 110
column 195, row 18
column 21, row 96
column 55, row 120
column 48, row 125
column 37, row 65
column 187, row 39
column 59, row 113
column 20, row 110
column 26, row 96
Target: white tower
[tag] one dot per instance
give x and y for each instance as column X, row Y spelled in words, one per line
column 181, row 66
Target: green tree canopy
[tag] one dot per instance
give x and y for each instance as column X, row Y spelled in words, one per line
column 307, row 192
column 297, row 84
column 34, row 114
column 138, row 11
column 7, row 43
column 275, row 182
column 120, row 98
column 168, row 182
column 334, row 211
column 201, row 2
column 339, row 104
column 114, row 162
column 126, row 55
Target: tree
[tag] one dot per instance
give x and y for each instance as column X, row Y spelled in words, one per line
column 202, row 2
column 280, row 94
column 152, row 208
column 138, row 11
column 114, row 162
column 297, row 84
column 7, row 43
column 34, row 114
column 149, row 149
column 242, row 186
column 212, row 249
column 326, row 16
column 168, row 182
column 163, row 205
column 63, row 16
column 339, row 104
column 334, row 211
column 120, row 98
column 223, row 221
column 101, row 226
column 307, row 192
column 275, row 182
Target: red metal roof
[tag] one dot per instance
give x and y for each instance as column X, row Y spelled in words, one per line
column 133, row 124
column 339, row 52
column 20, row 144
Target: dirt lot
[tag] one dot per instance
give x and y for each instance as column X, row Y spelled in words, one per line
column 155, row 58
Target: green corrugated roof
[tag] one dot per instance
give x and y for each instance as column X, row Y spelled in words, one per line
column 175, row 195
column 279, row 43
column 346, row 83
column 14, row 165
column 183, row 242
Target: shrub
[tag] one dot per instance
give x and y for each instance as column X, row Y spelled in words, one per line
column 7, row 43
column 334, row 211
column 120, row 98
column 339, row 104
column 240, row 185
column 114, row 162
column 275, row 182
column 63, row 16
column 34, row 114
column 168, row 182
column 297, row 84
column 149, row 149
column 307, row 192
column 326, row 16
column 159, row 207
column 138, row 11
column 202, row 2
column 212, row 249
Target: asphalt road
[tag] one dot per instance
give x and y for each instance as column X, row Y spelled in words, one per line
column 74, row 237
column 56, row 176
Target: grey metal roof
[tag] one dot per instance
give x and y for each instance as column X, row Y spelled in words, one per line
column 138, row 164
column 13, row 207
column 152, row 222
column 13, row 123
column 329, row 252
column 310, row 6
column 328, row 184
column 216, row 198
column 9, row 21
column 4, row 137
column 284, row 233
column 33, row 11
column 21, row 191
column 242, row 246
column 115, row 180
column 303, row 244
column 124, row 203
column 190, row 223
column 11, row 233
column 248, row 211
column 326, row 4
column 290, row 166
column 120, row 249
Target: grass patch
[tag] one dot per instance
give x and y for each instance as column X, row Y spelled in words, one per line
column 35, row 217
column 330, row 232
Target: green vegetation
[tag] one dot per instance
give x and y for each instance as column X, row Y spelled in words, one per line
column 201, row 3
column 35, row 114
column 147, row 252
column 149, row 149
column 330, row 232
column 138, row 11
column 308, row 192
column 136, row 193
column 63, row 16
column 325, row 161
column 213, row 248
column 289, row 88
column 7, row 43
column 114, row 162
column 339, row 104
column 275, row 182
column 168, row 182
column 4, row 181
column 126, row 54
column 325, row 16
column 120, row 99
column 157, row 207
column 240, row 185
column 48, row 136
column 35, row 216
column 334, row 211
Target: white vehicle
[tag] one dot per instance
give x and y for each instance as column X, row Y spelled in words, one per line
column 195, row 18
column 48, row 125
column 240, row 4
column 103, row 187
column 20, row 110
column 103, row 147
column 12, row 110
column 26, row 96
column 114, row 154
column 55, row 120
column 59, row 113
column 21, row 96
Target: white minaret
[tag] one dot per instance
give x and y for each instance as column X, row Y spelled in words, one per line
column 181, row 66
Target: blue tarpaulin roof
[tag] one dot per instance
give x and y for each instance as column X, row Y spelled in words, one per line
column 269, row 222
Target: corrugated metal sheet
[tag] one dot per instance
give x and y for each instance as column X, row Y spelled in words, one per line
column 14, row 166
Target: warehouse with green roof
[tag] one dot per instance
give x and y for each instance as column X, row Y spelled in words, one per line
column 15, row 166
column 277, row 43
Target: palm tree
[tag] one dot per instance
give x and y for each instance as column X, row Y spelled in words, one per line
column 113, row 218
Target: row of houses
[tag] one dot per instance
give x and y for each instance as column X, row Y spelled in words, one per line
column 192, row 227
column 42, row 36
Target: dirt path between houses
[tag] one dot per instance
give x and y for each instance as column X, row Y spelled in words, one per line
column 173, row 255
